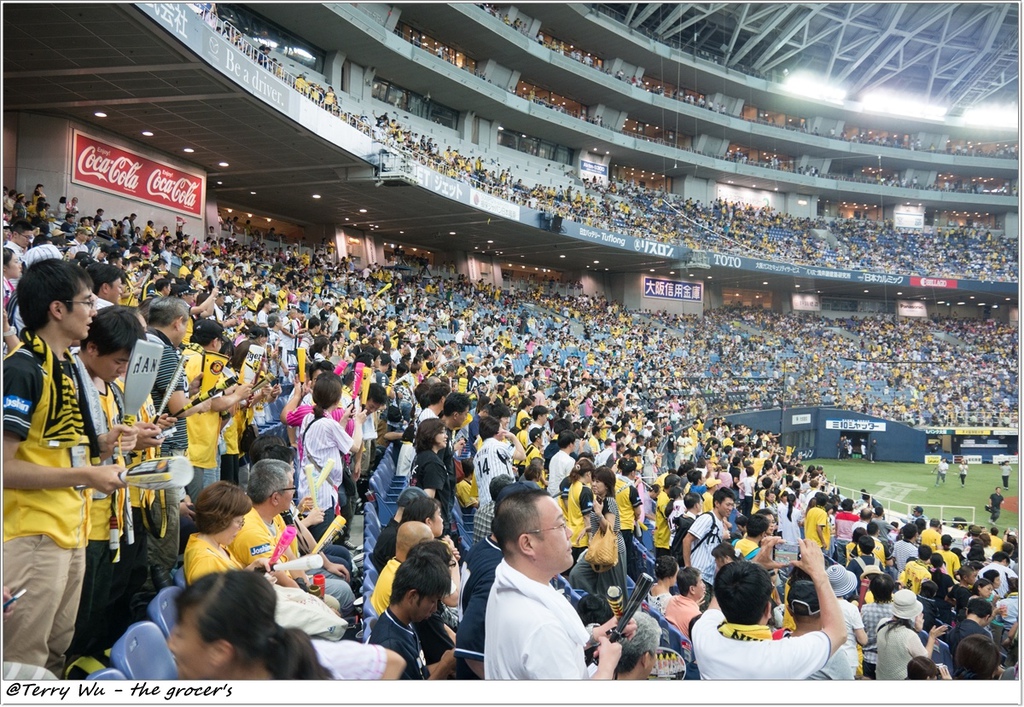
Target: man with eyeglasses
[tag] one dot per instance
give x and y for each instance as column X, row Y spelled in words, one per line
column 271, row 489
column 532, row 632
column 48, row 474
column 19, row 237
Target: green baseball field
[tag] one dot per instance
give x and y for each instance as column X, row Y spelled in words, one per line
column 901, row 486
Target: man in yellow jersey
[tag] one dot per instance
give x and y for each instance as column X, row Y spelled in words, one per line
column 204, row 427
column 932, row 535
column 816, row 524
column 662, row 531
column 47, row 475
column 272, row 488
column 631, row 511
column 103, row 358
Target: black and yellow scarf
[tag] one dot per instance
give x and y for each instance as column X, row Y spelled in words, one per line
column 745, row 632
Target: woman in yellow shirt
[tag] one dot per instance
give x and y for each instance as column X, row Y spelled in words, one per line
column 577, row 499
column 220, row 514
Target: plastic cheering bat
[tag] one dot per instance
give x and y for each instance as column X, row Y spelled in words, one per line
column 357, row 382
column 306, row 562
column 339, row 370
column 324, row 473
column 223, row 384
column 179, row 371
column 287, row 536
column 643, row 586
column 332, row 530
column 311, row 480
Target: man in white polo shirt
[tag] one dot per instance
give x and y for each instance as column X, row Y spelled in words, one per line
column 732, row 640
column 532, row 632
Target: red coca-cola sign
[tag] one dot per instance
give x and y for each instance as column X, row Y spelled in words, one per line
column 119, row 171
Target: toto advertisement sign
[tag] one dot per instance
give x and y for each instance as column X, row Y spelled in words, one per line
column 119, row 171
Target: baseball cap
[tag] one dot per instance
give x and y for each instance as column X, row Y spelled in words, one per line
column 803, row 598
column 206, row 330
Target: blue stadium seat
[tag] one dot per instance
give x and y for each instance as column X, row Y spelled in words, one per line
column 178, row 575
column 142, row 654
column 162, row 610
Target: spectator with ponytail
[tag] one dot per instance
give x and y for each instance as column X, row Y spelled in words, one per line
column 790, row 517
column 226, row 631
column 322, row 438
column 576, row 500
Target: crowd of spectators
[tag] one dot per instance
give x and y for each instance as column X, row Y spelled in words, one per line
column 634, row 210
column 608, row 370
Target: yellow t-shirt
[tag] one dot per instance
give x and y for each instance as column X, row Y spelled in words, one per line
column 662, row 531
column 203, row 427
column 744, row 546
column 627, row 518
column 932, row 538
column 61, row 514
column 817, row 517
column 878, row 551
column 574, row 515
column 202, row 558
column 256, row 540
column 952, row 561
column 464, row 492
column 522, row 422
column 381, row 597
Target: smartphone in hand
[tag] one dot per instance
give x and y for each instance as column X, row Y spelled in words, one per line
column 787, row 552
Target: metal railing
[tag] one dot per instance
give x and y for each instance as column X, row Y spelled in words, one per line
column 944, row 512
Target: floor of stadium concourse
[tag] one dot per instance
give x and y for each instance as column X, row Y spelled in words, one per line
column 914, row 484
column 356, row 534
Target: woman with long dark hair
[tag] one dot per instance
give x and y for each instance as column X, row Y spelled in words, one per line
column 790, row 517
column 603, row 514
column 226, row 631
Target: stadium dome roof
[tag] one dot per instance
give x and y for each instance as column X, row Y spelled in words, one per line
column 950, row 54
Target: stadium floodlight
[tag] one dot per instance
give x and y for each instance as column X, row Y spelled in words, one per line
column 992, row 116
column 891, row 104
column 817, row 87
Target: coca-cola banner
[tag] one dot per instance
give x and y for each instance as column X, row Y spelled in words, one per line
column 119, row 171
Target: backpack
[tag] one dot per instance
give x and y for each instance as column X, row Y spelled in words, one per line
column 682, row 528
column 865, row 580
